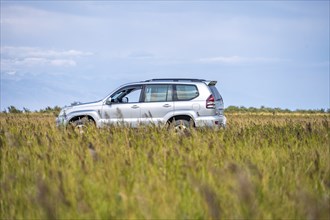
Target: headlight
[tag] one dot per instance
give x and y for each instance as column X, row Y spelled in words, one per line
column 62, row 113
column 60, row 120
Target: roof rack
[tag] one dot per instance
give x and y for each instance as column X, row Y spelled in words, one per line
column 176, row 80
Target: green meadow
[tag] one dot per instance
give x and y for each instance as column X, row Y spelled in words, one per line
column 262, row 166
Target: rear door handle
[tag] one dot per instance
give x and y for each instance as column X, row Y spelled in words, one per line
column 167, row 105
column 135, row 106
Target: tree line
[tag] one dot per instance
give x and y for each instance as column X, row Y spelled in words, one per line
column 12, row 109
column 263, row 109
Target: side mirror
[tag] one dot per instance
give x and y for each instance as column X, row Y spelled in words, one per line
column 108, row 102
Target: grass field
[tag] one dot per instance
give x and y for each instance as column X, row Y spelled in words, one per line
column 260, row 167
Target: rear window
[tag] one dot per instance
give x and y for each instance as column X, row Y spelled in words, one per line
column 186, row 92
column 215, row 93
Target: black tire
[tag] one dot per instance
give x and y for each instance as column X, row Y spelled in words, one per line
column 181, row 126
column 81, row 124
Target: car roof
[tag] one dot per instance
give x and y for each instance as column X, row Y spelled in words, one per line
column 174, row 81
column 186, row 80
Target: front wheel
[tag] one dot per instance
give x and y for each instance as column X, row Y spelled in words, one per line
column 80, row 125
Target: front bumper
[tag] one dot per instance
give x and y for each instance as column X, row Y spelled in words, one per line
column 61, row 121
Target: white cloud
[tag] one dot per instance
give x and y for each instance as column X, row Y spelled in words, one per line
column 31, row 61
column 31, row 20
column 54, row 53
column 12, row 73
column 63, row 63
column 232, row 59
column 141, row 55
column 39, row 52
column 15, row 59
column 239, row 60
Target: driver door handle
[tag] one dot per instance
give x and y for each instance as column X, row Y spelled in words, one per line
column 135, row 106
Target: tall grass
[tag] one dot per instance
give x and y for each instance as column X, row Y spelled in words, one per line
column 260, row 166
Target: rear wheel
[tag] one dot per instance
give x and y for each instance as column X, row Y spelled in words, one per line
column 181, row 126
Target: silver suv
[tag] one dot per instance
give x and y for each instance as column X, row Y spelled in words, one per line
column 177, row 102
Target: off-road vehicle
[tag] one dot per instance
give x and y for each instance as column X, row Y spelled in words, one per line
column 177, row 102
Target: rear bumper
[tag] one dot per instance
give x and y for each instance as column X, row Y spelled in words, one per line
column 211, row 121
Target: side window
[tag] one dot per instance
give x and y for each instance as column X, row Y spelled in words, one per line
column 127, row 95
column 186, row 92
column 133, row 96
column 158, row 93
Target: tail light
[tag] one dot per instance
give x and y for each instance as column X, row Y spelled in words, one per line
column 210, row 102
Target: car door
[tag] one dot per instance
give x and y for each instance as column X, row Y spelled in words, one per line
column 123, row 106
column 156, row 103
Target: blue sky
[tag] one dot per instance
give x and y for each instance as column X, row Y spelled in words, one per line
column 270, row 53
